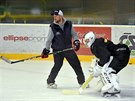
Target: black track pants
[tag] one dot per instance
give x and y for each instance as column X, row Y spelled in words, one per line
column 73, row 60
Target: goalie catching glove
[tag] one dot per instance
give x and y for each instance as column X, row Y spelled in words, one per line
column 45, row 53
column 96, row 68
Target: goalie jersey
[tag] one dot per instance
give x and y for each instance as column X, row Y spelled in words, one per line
column 103, row 49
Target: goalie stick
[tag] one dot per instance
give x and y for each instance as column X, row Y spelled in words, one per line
column 85, row 84
column 22, row 60
column 80, row 90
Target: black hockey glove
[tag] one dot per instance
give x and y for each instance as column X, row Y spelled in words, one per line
column 76, row 44
column 45, row 53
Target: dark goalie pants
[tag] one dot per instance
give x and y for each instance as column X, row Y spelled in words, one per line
column 119, row 62
column 73, row 60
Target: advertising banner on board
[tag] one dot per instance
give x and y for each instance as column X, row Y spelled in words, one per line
column 22, row 38
column 104, row 32
column 125, row 35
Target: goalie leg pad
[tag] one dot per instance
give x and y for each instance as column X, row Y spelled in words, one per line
column 110, row 81
column 106, row 79
column 115, row 81
column 99, row 86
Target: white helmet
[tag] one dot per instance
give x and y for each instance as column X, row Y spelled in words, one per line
column 89, row 38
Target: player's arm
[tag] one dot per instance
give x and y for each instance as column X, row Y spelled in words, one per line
column 103, row 53
column 74, row 34
column 104, row 56
column 48, row 43
column 76, row 41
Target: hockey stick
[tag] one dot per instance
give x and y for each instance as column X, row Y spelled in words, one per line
column 85, row 84
column 22, row 60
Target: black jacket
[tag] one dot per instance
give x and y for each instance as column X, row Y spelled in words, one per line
column 103, row 49
column 62, row 38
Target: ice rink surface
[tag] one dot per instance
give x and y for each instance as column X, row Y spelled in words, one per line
column 26, row 81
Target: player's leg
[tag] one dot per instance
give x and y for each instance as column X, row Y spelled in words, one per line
column 110, row 81
column 110, row 78
column 58, row 62
column 116, row 66
column 119, row 62
column 75, row 63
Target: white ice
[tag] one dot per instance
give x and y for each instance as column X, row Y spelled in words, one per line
column 26, row 81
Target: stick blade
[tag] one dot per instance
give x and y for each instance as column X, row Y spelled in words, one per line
column 6, row 60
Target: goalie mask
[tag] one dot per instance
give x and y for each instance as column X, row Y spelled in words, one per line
column 89, row 38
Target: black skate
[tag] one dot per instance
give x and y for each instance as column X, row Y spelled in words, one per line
column 115, row 94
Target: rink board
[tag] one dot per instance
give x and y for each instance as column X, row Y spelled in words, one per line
column 20, row 41
column 83, row 58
